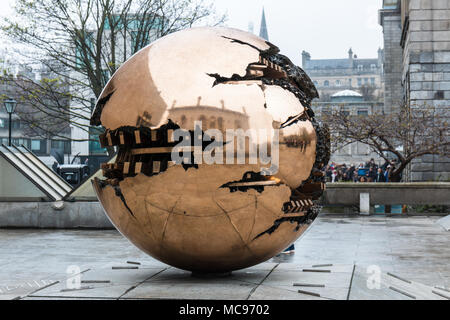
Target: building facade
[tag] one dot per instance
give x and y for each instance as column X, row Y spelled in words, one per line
column 390, row 20
column 417, row 67
column 334, row 75
column 23, row 132
column 352, row 103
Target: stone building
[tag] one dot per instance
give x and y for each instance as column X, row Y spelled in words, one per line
column 334, row 75
column 392, row 33
column 352, row 84
column 352, row 103
column 417, row 66
column 211, row 117
column 23, row 132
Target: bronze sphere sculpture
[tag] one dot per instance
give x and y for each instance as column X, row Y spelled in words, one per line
column 214, row 209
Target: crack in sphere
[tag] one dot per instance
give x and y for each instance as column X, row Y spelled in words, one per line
column 214, row 217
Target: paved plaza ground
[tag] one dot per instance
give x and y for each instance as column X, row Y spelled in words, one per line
column 337, row 256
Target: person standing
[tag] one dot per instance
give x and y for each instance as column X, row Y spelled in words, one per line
column 371, row 175
column 333, row 176
column 351, row 173
column 380, row 176
column 386, row 173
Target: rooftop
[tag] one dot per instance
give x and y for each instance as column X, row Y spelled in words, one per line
column 347, row 93
column 352, row 62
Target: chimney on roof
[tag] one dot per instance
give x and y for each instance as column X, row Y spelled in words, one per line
column 306, row 57
column 350, row 58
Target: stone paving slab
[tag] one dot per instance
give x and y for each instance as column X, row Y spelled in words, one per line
column 336, row 282
column 392, row 287
column 275, row 293
column 265, row 281
column 179, row 284
column 444, row 223
column 319, row 267
column 415, row 248
column 64, row 298
column 120, row 281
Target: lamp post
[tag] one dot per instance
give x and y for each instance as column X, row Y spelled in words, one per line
column 10, row 106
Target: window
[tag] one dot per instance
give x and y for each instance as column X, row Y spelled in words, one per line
column 359, row 82
column 203, row 121
column 366, row 80
column 15, row 124
column 360, row 67
column 338, row 83
column 20, row 141
column 2, row 123
column 94, row 144
column 326, row 83
column 372, row 81
column 373, row 67
column 82, row 55
column 220, row 123
column 350, row 82
column 62, row 145
column 35, row 145
column 212, row 123
column 363, row 112
column 183, row 121
column 39, row 146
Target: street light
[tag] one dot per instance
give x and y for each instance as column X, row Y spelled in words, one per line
column 10, row 106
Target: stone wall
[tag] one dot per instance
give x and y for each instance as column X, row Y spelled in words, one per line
column 393, row 59
column 426, row 72
column 423, row 193
column 59, row 215
column 417, row 69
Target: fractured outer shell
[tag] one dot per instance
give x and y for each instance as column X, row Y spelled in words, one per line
column 208, row 218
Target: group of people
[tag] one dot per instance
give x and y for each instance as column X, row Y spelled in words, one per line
column 364, row 172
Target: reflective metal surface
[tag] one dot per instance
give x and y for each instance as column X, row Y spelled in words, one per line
column 211, row 217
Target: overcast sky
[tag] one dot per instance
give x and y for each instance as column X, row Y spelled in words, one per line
column 324, row 28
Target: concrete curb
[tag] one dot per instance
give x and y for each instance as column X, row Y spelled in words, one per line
column 61, row 215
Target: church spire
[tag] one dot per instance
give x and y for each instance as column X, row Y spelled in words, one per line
column 263, row 31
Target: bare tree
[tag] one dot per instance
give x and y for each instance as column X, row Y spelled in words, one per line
column 325, row 97
column 81, row 43
column 39, row 104
column 368, row 92
column 407, row 134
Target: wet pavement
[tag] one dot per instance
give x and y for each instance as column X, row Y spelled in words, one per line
column 339, row 257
